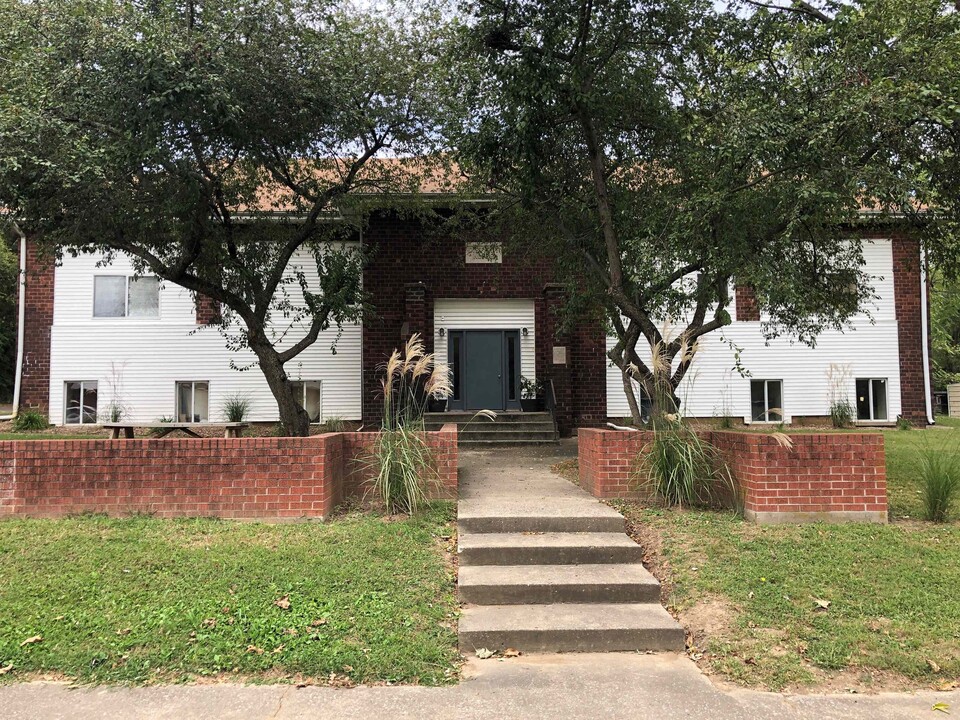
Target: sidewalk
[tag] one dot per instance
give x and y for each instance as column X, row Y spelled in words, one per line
column 548, row 687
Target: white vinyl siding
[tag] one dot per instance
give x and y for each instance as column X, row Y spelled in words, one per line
column 868, row 350
column 471, row 314
column 138, row 361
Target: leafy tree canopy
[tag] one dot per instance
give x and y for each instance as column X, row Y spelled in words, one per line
column 666, row 149
column 213, row 141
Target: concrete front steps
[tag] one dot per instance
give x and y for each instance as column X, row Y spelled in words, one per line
column 547, row 568
column 509, row 428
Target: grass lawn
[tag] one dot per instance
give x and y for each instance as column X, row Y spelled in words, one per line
column 903, row 450
column 749, row 595
column 141, row 600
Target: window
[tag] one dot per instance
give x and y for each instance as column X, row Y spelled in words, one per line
column 308, row 395
column 122, row 296
column 766, row 400
column 484, row 252
column 81, row 403
column 193, row 401
column 871, row 399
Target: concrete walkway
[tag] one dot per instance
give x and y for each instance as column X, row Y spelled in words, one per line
column 547, row 687
column 545, row 567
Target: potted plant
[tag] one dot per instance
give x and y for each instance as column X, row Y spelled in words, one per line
column 531, row 395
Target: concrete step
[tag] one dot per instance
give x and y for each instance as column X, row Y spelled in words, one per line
column 505, row 440
column 548, row 514
column 489, row 427
column 496, row 424
column 502, row 417
column 600, row 627
column 545, row 584
column 548, row 548
column 507, row 434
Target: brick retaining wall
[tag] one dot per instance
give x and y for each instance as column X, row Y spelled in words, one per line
column 265, row 478
column 832, row 477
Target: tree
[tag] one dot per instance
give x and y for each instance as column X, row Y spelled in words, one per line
column 213, row 141
column 945, row 338
column 9, row 272
column 664, row 150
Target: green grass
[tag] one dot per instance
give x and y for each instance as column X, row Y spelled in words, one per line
column 142, row 600
column 903, row 451
column 893, row 605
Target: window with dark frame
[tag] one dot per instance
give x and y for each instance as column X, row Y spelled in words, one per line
column 766, row 400
column 872, row 399
column 81, row 402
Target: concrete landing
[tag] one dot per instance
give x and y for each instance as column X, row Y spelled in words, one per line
column 545, row 567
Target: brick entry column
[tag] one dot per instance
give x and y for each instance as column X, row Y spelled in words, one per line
column 38, row 319
column 415, row 313
column 558, row 356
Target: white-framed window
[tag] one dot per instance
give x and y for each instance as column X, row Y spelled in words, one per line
column 310, row 397
column 766, row 400
column 126, row 296
column 80, row 402
column 193, row 401
column 478, row 253
column 872, row 399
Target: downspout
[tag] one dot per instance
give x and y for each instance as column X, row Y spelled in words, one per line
column 924, row 334
column 21, row 316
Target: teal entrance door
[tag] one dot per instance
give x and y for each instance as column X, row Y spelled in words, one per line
column 486, row 369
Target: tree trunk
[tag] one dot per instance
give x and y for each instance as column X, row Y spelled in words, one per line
column 293, row 417
column 635, row 411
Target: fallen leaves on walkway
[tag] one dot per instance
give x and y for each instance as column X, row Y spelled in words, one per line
column 941, row 707
column 484, row 654
column 511, row 652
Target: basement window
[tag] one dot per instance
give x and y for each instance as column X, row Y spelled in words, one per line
column 124, row 296
column 871, row 399
column 309, row 396
column 193, row 401
column 766, row 400
column 81, row 403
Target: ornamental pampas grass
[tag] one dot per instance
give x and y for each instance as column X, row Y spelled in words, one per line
column 404, row 463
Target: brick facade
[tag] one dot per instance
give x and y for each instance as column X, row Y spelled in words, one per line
column 830, row 477
column 748, row 310
column 208, row 310
column 411, row 267
column 266, row 478
column 38, row 319
column 907, row 300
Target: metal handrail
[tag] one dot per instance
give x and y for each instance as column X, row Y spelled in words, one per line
column 551, row 403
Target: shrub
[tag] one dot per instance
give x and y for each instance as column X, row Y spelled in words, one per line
column 334, row 424
column 531, row 389
column 682, row 469
column 841, row 413
column 236, row 407
column 903, row 423
column 30, row 420
column 940, row 478
column 403, row 461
